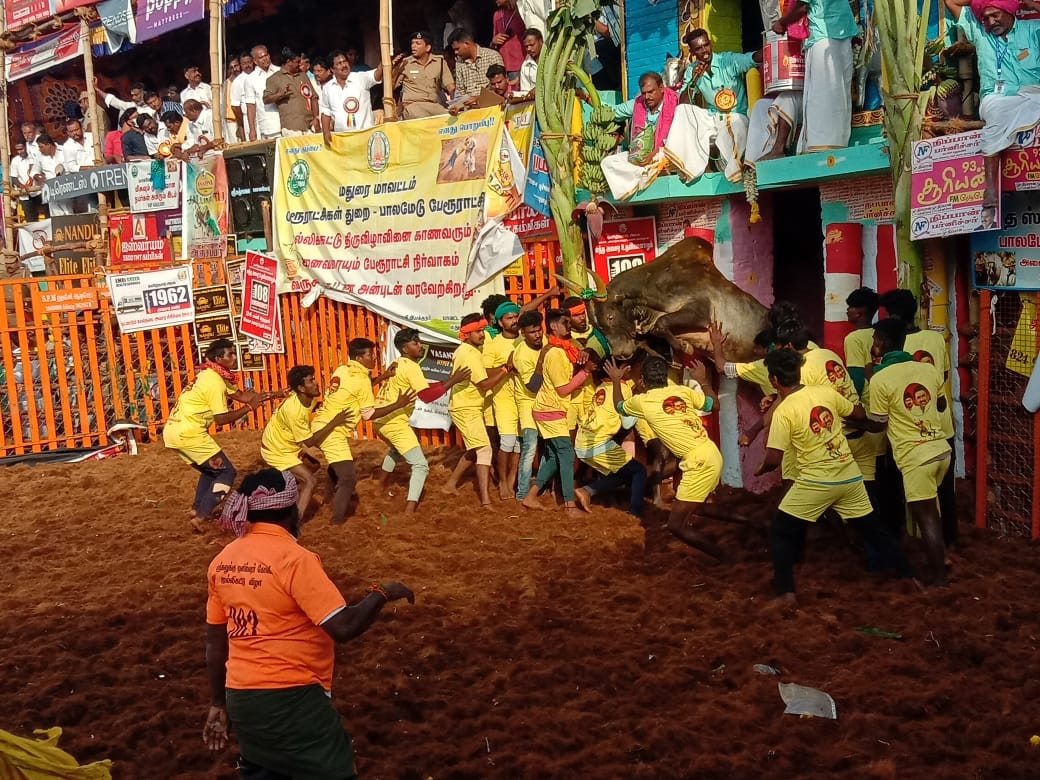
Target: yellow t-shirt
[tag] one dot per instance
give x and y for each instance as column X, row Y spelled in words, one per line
column 202, row 401
column 598, row 421
column 757, row 374
column 586, row 339
column 906, row 395
column 809, row 423
column 823, row 367
column 672, row 414
column 407, row 376
column 857, row 347
column 556, row 372
column 285, row 431
column 465, row 395
column 524, row 361
column 929, row 346
column 349, row 388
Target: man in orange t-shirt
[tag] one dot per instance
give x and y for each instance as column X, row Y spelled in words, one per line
column 272, row 620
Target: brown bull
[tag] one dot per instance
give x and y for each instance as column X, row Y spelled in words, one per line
column 675, row 297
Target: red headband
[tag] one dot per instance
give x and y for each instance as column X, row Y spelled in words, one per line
column 472, row 327
column 576, row 309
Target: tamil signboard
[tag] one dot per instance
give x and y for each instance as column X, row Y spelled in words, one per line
column 151, row 189
column 86, row 182
column 623, row 245
column 1010, row 258
column 260, row 298
column 137, row 239
column 947, row 183
column 152, row 299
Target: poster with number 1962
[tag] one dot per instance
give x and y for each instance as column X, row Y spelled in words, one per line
column 152, row 299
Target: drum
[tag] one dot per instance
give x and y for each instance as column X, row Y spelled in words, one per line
column 783, row 64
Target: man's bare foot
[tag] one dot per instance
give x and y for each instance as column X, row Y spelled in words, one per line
column 531, row 502
column 449, row 489
column 583, row 499
column 504, row 493
column 196, row 524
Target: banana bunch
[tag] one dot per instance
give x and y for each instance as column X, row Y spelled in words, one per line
column 597, row 141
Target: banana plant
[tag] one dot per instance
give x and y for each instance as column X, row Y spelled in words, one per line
column 903, row 29
column 568, row 37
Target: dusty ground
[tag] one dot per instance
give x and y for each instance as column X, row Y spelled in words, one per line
column 539, row 646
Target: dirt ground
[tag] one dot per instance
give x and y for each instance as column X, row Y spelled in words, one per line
column 539, row 646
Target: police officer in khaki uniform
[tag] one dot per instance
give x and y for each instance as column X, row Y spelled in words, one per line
column 424, row 78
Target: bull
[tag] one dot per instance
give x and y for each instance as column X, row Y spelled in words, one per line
column 675, row 298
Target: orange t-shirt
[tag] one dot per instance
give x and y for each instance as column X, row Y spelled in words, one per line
column 273, row 596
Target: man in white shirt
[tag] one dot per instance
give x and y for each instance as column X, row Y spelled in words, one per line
column 533, row 42
column 31, row 132
column 262, row 117
column 196, row 89
column 51, row 165
column 237, row 99
column 200, row 128
column 78, row 149
column 346, row 103
column 136, row 100
column 23, row 172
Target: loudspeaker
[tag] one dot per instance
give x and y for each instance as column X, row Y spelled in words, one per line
column 249, row 182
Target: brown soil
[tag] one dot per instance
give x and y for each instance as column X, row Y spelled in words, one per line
column 540, row 646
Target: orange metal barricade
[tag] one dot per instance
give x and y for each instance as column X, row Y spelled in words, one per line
column 66, row 377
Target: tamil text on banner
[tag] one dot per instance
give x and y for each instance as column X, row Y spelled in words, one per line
column 75, row 232
column 44, row 53
column 154, row 185
column 536, row 193
column 624, row 244
column 508, row 171
column 138, row 239
column 1010, row 258
column 19, row 13
column 205, row 224
column 947, row 183
column 260, row 297
column 70, row 299
column 86, row 182
column 152, row 299
column 387, row 216
column 155, row 17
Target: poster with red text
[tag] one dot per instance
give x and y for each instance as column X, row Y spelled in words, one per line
column 624, row 244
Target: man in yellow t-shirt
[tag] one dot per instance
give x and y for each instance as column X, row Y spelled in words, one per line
column 288, row 432
column 929, row 346
column 466, row 405
column 596, row 446
column 754, row 372
column 273, row 618
column 202, row 404
column 672, row 413
column 908, row 399
column 525, row 362
column 350, row 389
column 497, row 352
column 394, row 428
column 558, row 380
column 807, row 420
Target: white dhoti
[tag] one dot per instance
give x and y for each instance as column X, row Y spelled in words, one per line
column 689, row 141
column 827, row 103
column 626, row 179
column 230, row 131
column 765, row 119
column 1006, row 116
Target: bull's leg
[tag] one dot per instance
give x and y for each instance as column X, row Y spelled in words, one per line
column 682, row 321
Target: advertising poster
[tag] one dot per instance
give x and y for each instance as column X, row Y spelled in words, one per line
column 1010, row 258
column 44, row 53
column 73, row 228
column 152, row 299
column 18, row 13
column 204, row 225
column 387, row 216
column 137, row 239
column 624, row 244
column 70, row 299
column 155, row 17
column 142, row 179
column 947, row 184
column 260, row 318
column 31, row 237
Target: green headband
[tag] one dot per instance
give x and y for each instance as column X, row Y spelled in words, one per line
column 506, row 307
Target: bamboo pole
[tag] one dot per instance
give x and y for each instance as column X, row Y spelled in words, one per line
column 216, row 68
column 5, row 158
column 386, row 58
column 101, row 250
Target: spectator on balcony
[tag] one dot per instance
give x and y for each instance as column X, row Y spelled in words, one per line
column 827, row 98
column 533, row 43
column 424, row 78
column 508, row 30
column 471, row 64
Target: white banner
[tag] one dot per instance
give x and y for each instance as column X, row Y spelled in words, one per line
column 152, row 299
column 31, row 237
column 142, row 186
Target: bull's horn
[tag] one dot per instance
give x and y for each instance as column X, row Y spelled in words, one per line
column 573, row 286
column 601, row 287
